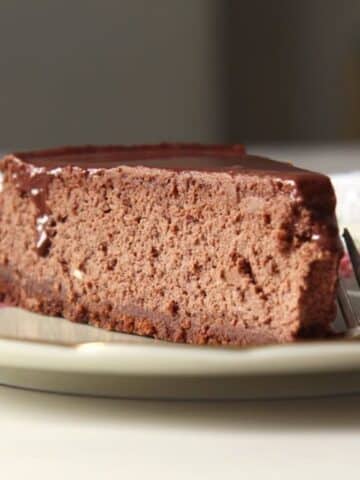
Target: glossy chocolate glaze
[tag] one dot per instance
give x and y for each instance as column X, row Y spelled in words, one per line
column 173, row 156
column 33, row 172
column 177, row 157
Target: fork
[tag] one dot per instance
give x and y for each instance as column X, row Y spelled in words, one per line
column 351, row 319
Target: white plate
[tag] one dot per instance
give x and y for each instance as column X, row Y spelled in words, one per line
column 56, row 355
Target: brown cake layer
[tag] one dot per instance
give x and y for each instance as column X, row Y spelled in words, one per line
column 187, row 243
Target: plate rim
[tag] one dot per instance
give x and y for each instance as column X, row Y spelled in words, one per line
column 141, row 359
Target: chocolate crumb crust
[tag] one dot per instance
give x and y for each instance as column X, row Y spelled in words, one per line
column 187, row 243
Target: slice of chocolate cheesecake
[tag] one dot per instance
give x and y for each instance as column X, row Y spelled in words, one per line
column 186, row 243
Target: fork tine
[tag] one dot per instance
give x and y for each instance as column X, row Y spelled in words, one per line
column 353, row 254
column 346, row 307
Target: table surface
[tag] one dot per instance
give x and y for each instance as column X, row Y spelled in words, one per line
column 330, row 158
column 62, row 437
column 54, row 436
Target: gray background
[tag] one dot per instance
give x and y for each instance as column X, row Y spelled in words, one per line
column 115, row 71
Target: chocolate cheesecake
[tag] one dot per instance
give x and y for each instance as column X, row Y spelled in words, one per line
column 185, row 243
